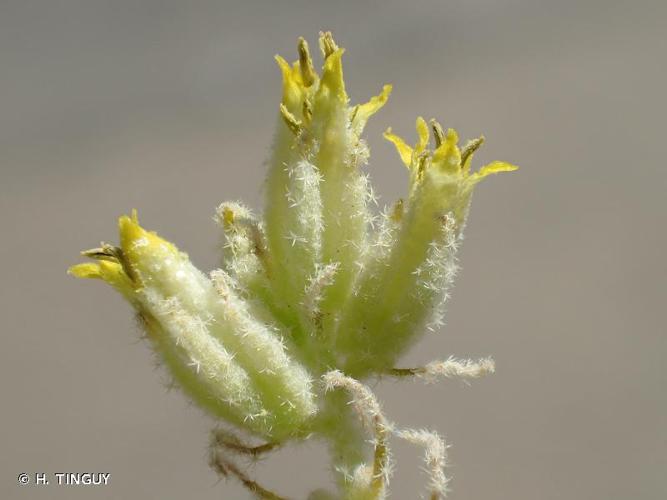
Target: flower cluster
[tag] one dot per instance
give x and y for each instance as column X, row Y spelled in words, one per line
column 318, row 294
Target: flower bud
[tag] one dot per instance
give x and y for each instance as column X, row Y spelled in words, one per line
column 403, row 289
column 232, row 364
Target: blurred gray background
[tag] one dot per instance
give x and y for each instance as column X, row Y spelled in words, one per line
column 169, row 106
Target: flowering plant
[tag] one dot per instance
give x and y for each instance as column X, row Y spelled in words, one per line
column 316, row 296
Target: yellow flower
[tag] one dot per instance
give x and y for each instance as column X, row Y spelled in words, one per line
column 447, row 167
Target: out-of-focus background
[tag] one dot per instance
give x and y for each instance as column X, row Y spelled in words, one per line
column 169, row 106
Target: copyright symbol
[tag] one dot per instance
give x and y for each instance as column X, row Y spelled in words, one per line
column 24, row 478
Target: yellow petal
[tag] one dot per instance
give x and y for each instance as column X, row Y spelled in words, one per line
column 292, row 85
column 404, row 151
column 492, row 168
column 131, row 233
column 447, row 156
column 366, row 110
column 142, row 248
column 90, row 270
column 422, row 132
column 332, row 76
column 111, row 272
